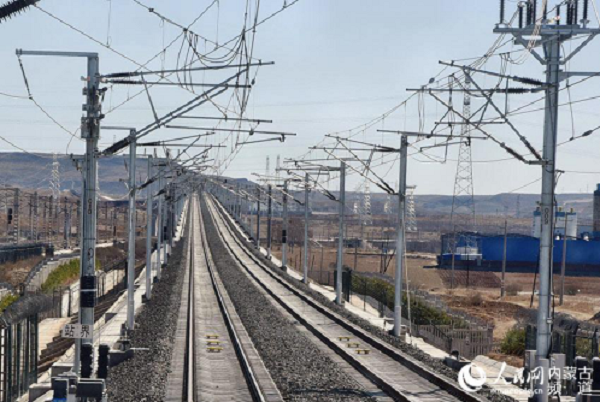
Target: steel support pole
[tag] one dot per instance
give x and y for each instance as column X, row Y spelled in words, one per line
column 269, row 222
column 503, row 281
column 258, row 218
column 238, row 204
column 400, row 237
column 284, row 227
column 165, row 225
column 159, row 224
column 544, row 319
column 563, row 267
column 340, row 252
column 91, row 133
column 131, row 237
column 250, row 225
column 306, row 212
column 149, row 232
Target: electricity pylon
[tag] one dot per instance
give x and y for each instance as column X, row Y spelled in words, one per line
column 549, row 34
column 411, row 214
column 55, row 182
column 463, row 201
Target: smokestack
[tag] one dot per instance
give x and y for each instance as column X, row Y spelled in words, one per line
column 597, row 209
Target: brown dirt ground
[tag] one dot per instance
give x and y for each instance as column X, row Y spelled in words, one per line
column 582, row 298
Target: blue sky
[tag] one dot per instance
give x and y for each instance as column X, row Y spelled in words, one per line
column 339, row 64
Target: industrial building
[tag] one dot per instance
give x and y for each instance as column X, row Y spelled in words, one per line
column 480, row 252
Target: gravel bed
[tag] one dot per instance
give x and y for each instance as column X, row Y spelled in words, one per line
column 144, row 377
column 434, row 364
column 298, row 367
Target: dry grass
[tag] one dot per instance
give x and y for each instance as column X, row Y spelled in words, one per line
column 16, row 272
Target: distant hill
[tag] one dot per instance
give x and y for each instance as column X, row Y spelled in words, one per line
column 521, row 205
column 34, row 171
column 492, row 204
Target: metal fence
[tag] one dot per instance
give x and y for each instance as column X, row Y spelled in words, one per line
column 19, row 327
column 571, row 340
column 21, row 252
column 430, row 317
column 18, row 357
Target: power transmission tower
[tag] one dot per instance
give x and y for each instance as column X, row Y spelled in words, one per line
column 55, row 181
column 462, row 218
column 411, row 214
column 367, row 217
column 387, row 206
column 277, row 168
column 268, row 169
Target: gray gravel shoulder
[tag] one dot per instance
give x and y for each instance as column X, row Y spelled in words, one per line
column 144, row 377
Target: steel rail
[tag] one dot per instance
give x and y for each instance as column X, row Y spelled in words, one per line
column 189, row 390
column 249, row 375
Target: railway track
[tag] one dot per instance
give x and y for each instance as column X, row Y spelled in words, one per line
column 215, row 360
column 400, row 376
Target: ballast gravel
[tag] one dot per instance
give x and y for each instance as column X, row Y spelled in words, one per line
column 300, row 370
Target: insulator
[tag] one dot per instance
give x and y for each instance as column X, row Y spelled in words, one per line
column 557, row 15
column 520, row 16
column 13, row 7
column 502, row 10
column 529, row 12
column 534, row 11
column 575, row 12
column 586, row 5
column 529, row 81
column 569, row 13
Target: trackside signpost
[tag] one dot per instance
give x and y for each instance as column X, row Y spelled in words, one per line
column 77, row 331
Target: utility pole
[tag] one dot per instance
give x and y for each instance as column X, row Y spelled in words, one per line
column 238, row 203
column 284, row 227
column 563, row 267
column 149, row 231
column 503, row 283
column 165, row 223
column 258, row 218
column 79, row 223
column 90, row 131
column 15, row 217
column 159, row 223
column 66, row 221
column 35, row 216
column 400, row 236
column 269, row 222
column 131, row 239
column 306, row 212
column 340, row 251
column 551, row 37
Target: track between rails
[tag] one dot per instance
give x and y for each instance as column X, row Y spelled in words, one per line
column 400, row 376
column 215, row 363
